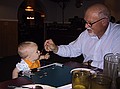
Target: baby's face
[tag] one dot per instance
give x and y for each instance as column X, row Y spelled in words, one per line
column 34, row 53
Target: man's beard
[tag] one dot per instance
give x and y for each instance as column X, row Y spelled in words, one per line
column 91, row 32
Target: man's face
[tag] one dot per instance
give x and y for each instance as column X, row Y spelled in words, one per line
column 93, row 23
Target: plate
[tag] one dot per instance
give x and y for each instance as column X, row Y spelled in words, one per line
column 34, row 85
column 84, row 69
column 68, row 86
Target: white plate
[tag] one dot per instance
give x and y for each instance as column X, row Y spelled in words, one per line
column 86, row 69
column 33, row 86
column 68, row 86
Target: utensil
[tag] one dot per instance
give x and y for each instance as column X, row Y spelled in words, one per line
column 17, row 87
column 43, row 86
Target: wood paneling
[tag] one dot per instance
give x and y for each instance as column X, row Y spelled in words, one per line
column 114, row 8
column 8, row 38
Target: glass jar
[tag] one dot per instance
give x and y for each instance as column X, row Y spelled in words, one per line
column 80, row 79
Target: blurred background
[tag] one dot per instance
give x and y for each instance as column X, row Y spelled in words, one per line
column 53, row 19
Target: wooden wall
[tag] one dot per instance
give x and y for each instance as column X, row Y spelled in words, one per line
column 8, row 38
column 114, row 6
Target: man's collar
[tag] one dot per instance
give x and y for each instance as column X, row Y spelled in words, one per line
column 108, row 29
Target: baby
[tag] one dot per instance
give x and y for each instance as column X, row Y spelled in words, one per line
column 30, row 56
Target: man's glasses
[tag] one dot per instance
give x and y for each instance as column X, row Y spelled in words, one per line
column 90, row 24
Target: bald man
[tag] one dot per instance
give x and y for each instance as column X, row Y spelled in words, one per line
column 100, row 37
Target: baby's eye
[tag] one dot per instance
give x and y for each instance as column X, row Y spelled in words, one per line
column 37, row 51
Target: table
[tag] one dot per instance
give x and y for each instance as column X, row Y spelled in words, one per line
column 65, row 73
column 55, row 75
column 15, row 82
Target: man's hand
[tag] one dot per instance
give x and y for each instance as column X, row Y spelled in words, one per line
column 49, row 45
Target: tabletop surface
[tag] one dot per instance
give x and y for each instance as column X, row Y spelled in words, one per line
column 53, row 75
column 14, row 82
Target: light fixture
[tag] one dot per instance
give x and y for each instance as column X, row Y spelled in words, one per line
column 29, row 8
column 30, row 18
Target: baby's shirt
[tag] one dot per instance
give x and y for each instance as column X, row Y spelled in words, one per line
column 34, row 64
column 26, row 65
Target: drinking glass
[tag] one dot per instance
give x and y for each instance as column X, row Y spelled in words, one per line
column 111, row 64
column 80, row 79
column 100, row 81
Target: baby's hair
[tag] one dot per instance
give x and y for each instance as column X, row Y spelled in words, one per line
column 22, row 48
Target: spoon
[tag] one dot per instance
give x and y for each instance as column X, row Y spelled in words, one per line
column 16, row 87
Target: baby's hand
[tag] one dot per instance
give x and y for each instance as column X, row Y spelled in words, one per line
column 46, row 56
